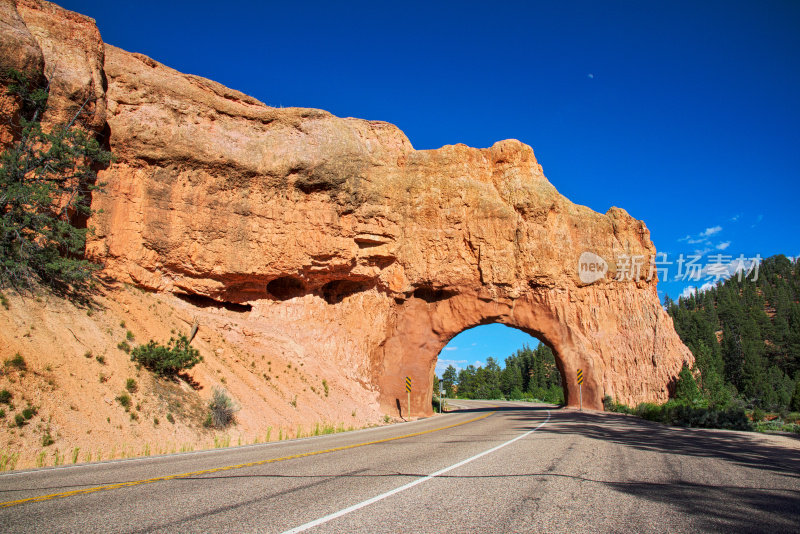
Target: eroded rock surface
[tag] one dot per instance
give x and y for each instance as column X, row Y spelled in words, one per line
column 353, row 247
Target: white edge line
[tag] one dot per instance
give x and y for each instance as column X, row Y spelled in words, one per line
column 353, row 508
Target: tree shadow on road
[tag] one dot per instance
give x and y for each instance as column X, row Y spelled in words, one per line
column 745, row 449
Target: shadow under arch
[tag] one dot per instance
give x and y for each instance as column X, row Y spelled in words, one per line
column 423, row 327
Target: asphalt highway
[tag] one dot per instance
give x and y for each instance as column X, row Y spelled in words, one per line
column 488, row 467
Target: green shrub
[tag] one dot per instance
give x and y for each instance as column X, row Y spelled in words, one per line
column 124, row 347
column 649, row 411
column 325, row 386
column 5, row 396
column 794, row 403
column 610, row 405
column 170, row 418
column 221, row 410
column 125, row 400
column 793, row 417
column 167, row 361
column 17, row 362
column 686, row 389
column 131, row 386
column 129, row 336
column 758, row 414
column 47, row 439
column 2, row 413
column 19, row 419
column 4, row 301
column 29, row 412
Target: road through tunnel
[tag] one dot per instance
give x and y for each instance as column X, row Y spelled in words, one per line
column 424, row 328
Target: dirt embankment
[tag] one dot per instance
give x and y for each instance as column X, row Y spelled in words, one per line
column 74, row 368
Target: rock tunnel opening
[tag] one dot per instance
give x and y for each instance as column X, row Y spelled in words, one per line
column 286, row 287
column 202, row 301
column 499, row 362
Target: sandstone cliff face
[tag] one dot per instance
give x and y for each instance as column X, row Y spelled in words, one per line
column 349, row 246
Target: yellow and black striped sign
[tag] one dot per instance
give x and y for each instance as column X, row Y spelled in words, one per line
column 580, row 376
column 408, row 384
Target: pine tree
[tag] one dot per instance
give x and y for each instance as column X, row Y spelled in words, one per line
column 794, row 405
column 449, row 378
column 686, row 389
column 46, row 180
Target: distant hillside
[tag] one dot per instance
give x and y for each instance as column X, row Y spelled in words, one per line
column 745, row 336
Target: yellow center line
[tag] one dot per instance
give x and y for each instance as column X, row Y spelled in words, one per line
column 118, row 485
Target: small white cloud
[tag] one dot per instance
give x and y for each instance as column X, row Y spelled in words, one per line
column 687, row 238
column 590, row 76
column 691, row 290
column 735, row 217
column 474, row 344
column 701, row 251
column 688, row 291
column 723, row 245
column 758, row 221
column 696, row 241
column 451, row 348
column 711, row 231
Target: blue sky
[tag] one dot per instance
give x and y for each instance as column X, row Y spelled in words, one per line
column 473, row 346
column 683, row 113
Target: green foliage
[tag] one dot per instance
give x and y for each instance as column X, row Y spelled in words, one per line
column 130, row 385
column 125, row 400
column 29, row 412
column 795, row 403
column 777, row 425
column 167, row 361
column 745, row 336
column 684, row 413
column 4, row 301
column 221, row 410
column 124, row 347
column 686, row 389
column 610, row 405
column 46, row 181
column 19, row 419
column 47, row 439
column 170, row 418
column 449, row 379
column 17, row 362
column 325, row 386
column 528, row 374
column 5, row 396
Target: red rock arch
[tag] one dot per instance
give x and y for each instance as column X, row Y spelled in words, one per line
column 422, row 329
column 348, row 245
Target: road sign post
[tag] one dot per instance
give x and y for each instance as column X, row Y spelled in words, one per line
column 580, row 388
column 408, row 391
